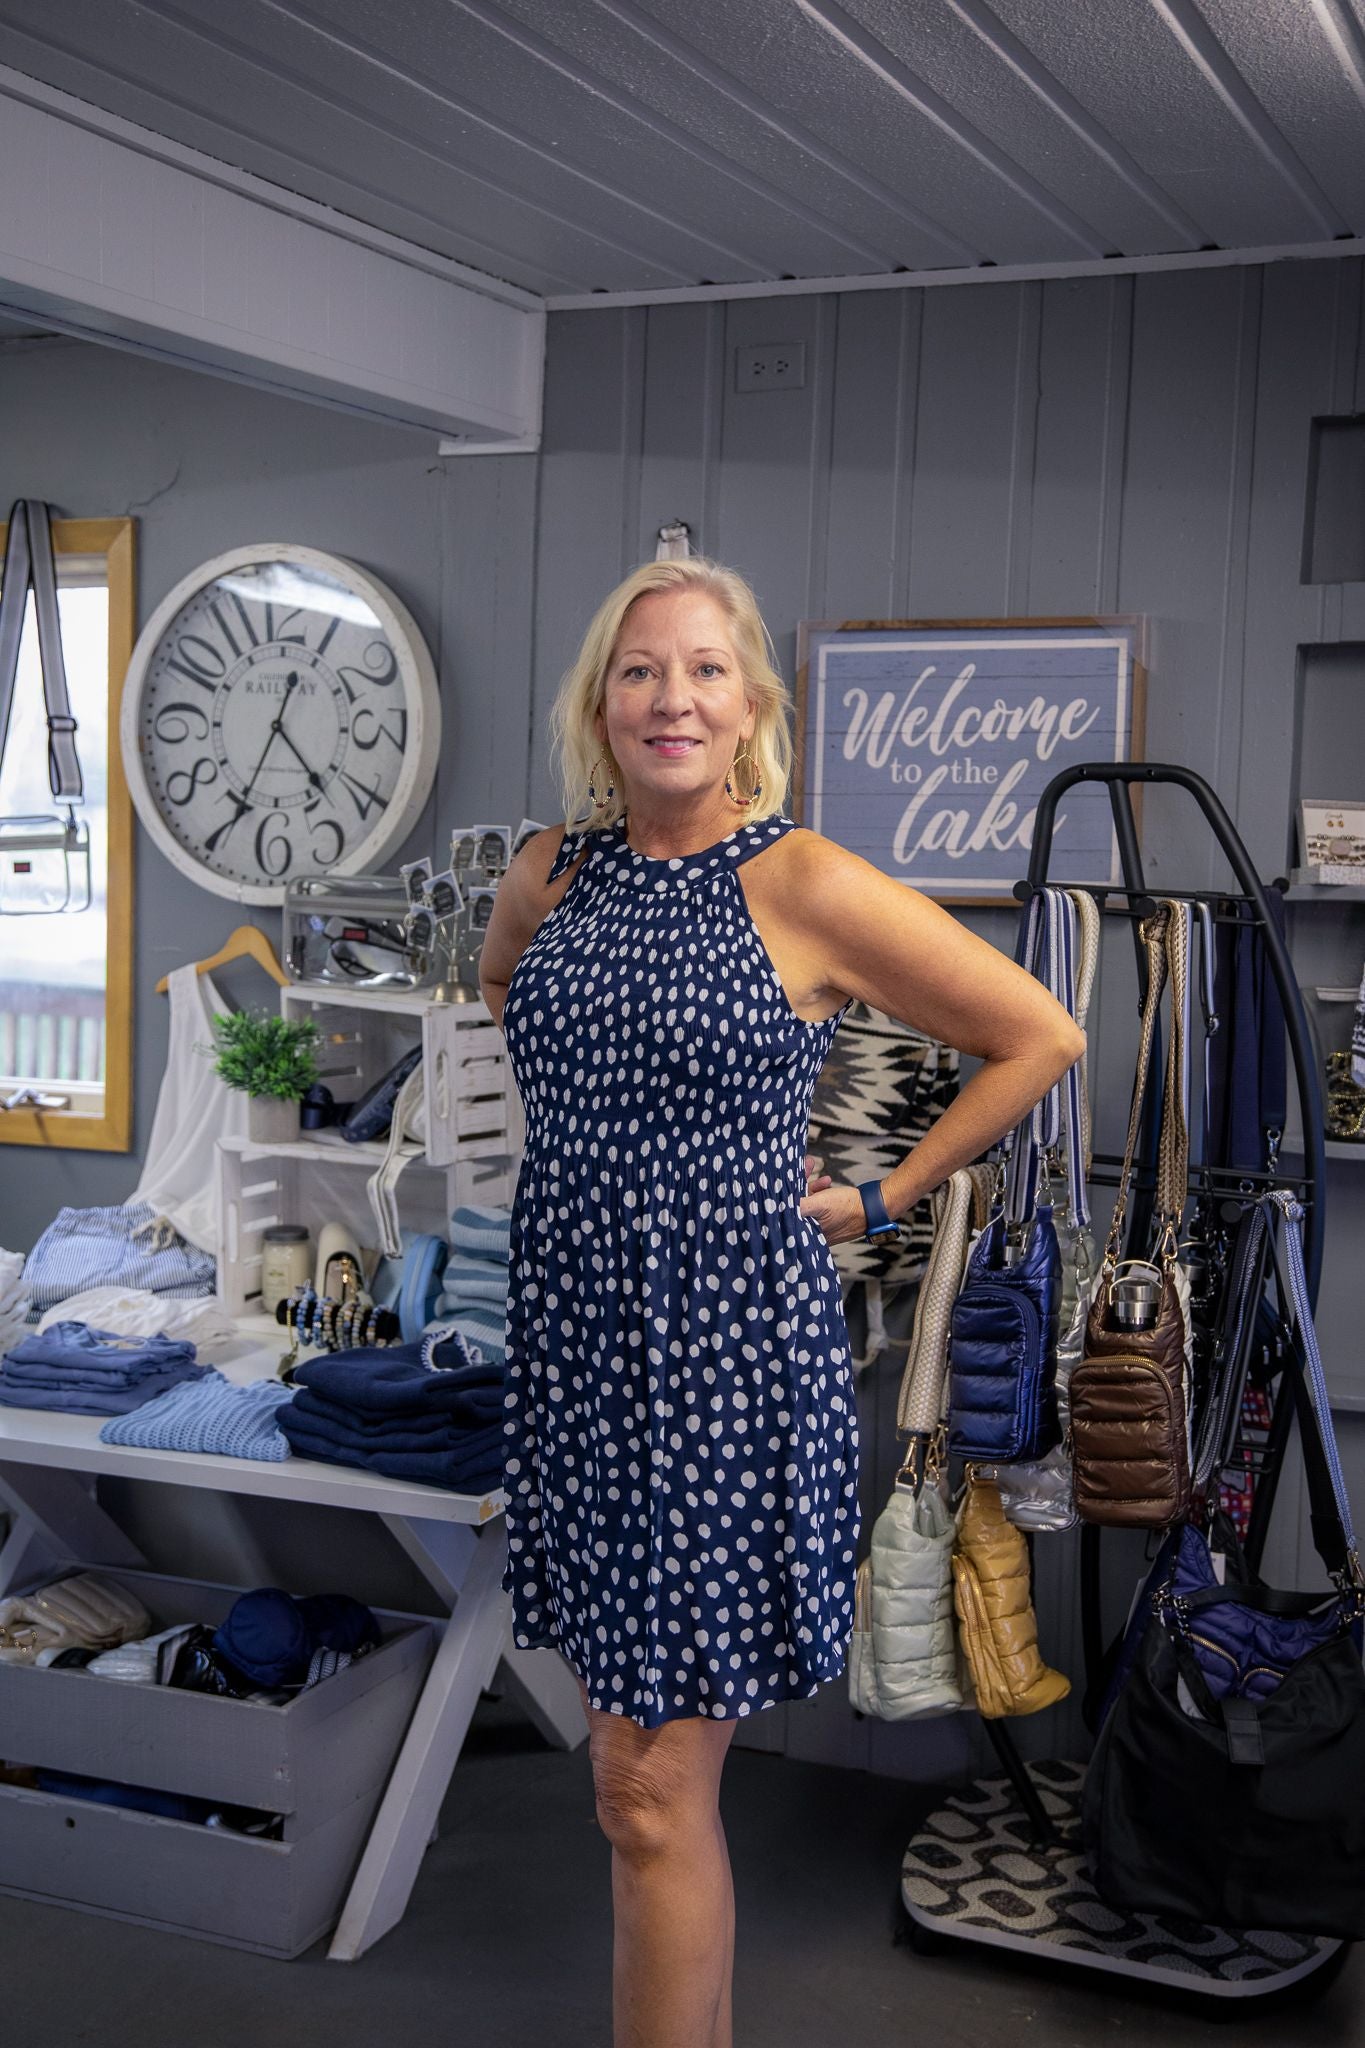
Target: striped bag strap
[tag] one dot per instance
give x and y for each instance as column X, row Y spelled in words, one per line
column 920, row 1409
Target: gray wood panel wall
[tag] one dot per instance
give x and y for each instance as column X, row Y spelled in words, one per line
column 1125, row 444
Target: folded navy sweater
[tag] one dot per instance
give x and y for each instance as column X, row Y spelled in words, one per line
column 471, row 1462
column 395, row 1382
column 475, row 1409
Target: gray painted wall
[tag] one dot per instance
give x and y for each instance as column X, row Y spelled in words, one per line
column 1125, row 445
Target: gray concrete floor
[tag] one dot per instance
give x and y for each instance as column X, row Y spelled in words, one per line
column 507, row 1941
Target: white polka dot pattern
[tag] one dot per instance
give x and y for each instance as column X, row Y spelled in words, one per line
column 681, row 1442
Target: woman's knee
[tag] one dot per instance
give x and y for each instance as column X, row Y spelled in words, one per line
column 655, row 1791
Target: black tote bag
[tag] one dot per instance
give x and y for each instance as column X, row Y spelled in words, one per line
column 1245, row 1810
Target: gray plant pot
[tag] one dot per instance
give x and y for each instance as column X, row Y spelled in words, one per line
column 269, row 1121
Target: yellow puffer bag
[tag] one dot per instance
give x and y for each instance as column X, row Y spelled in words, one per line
column 998, row 1630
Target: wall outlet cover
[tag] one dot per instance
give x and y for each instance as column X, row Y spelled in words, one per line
column 772, row 366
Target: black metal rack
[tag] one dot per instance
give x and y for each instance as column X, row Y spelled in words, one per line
column 1248, row 905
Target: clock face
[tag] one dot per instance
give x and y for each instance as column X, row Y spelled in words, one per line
column 280, row 719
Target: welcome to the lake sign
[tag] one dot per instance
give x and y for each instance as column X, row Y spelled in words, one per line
column 925, row 746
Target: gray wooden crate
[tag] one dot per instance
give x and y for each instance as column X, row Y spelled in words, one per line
column 304, row 1759
column 321, row 1760
column 277, row 1898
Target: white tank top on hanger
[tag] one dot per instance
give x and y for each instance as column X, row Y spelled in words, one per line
column 195, row 1107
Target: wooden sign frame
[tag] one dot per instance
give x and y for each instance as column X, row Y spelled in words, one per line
column 973, row 895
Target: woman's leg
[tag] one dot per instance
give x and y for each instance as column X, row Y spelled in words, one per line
column 672, row 1894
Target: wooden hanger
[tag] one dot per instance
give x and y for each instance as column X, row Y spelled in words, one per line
column 246, row 943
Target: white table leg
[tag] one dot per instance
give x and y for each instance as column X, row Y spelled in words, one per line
column 545, row 1689
column 402, row 1827
column 539, row 1681
column 57, row 1521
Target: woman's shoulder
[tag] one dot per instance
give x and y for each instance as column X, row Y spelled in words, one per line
column 810, row 853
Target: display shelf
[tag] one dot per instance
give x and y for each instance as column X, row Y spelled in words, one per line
column 1324, row 892
column 322, row 1150
column 1291, row 1144
column 470, row 1100
column 413, row 1002
column 309, row 1182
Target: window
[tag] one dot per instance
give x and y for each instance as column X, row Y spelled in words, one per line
column 66, row 978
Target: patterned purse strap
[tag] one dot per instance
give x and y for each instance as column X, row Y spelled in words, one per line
column 1152, row 932
column 1057, row 1123
column 920, row 1411
column 1173, row 1152
column 1087, row 967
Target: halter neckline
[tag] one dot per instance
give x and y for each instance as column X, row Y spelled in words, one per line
column 675, row 861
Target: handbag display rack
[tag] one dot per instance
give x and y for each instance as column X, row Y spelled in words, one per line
column 958, row 1864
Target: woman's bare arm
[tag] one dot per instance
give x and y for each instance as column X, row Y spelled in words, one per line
column 522, row 902
column 889, row 946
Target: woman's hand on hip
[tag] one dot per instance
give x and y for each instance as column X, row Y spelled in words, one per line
column 838, row 1211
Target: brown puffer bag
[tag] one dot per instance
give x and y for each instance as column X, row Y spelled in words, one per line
column 1130, row 1444
column 998, row 1629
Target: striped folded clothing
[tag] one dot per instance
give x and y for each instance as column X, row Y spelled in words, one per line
column 475, row 1279
column 482, row 1231
column 123, row 1245
column 213, row 1415
column 478, row 1323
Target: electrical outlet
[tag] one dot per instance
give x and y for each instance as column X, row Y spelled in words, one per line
column 778, row 366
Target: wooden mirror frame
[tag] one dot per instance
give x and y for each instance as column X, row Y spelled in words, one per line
column 60, row 1130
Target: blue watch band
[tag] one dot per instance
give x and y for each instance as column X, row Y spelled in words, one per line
column 879, row 1224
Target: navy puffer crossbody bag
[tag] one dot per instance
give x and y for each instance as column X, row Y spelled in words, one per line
column 1002, row 1348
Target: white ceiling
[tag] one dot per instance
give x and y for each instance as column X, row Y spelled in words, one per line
column 572, row 146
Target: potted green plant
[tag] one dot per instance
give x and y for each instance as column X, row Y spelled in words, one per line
column 273, row 1060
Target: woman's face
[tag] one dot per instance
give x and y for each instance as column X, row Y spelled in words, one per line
column 674, row 674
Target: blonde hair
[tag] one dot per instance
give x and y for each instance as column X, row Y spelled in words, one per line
column 575, row 748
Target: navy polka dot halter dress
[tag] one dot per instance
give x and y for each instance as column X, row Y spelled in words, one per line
column 680, row 1434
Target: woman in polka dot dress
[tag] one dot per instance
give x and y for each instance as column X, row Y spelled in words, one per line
column 681, row 1468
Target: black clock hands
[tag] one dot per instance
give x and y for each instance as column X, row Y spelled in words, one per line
column 309, row 770
column 243, row 802
column 275, row 726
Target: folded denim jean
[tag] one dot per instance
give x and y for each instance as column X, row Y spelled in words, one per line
column 77, row 1348
column 112, row 1400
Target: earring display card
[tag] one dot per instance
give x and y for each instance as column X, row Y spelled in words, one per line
column 1332, row 841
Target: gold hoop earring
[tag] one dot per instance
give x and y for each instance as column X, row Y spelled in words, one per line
column 744, row 803
column 600, row 801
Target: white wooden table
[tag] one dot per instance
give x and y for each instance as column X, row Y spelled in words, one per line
column 458, row 1543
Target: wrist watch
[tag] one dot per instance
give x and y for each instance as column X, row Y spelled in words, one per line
column 879, row 1224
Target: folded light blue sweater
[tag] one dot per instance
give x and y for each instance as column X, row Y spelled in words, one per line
column 209, row 1415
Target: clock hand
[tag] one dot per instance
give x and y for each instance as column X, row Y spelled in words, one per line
column 275, row 725
column 313, row 775
column 243, row 802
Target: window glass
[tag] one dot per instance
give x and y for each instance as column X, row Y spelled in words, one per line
column 53, row 967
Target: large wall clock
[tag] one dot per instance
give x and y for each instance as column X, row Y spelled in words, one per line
column 280, row 717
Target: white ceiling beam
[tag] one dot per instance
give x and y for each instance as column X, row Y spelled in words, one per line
column 953, row 274
column 113, row 232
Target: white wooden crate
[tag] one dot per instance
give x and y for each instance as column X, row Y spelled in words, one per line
column 473, row 1110
column 317, row 1180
